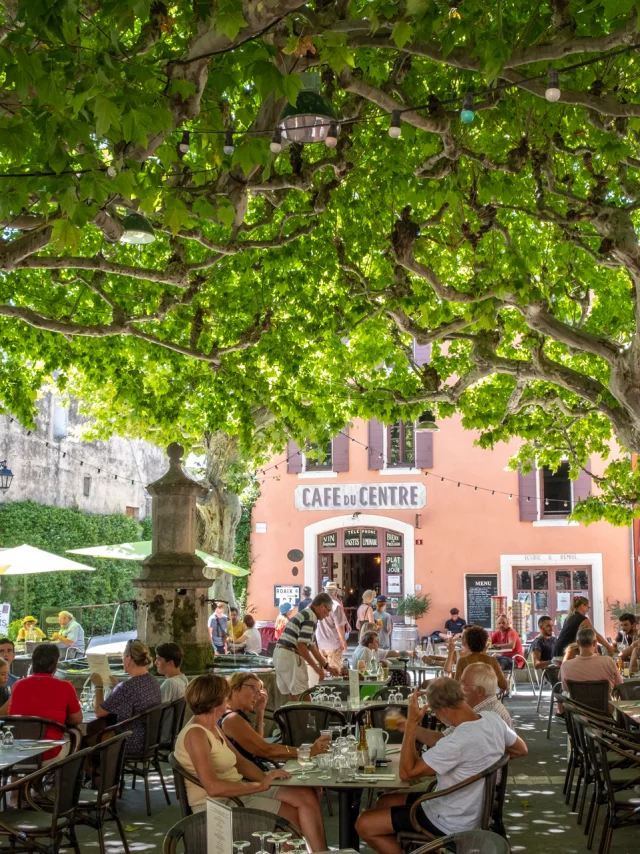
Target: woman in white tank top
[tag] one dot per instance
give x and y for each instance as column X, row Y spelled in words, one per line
column 203, row 750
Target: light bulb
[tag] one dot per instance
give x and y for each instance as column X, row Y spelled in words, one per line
column 466, row 113
column 276, row 142
column 394, row 128
column 331, row 139
column 553, row 86
column 183, row 145
column 112, row 171
column 228, row 142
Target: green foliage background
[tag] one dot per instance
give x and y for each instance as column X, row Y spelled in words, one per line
column 242, row 553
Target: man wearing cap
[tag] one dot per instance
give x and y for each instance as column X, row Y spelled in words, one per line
column 330, row 633
column 383, row 622
column 71, row 633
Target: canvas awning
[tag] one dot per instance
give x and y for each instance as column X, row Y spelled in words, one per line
column 142, row 549
column 28, row 560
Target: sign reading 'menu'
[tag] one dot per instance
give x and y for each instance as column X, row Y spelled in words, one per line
column 362, row 496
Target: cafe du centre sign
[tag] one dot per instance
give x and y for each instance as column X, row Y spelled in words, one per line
column 361, row 496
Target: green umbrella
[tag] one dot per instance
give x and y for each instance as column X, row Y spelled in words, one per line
column 142, row 549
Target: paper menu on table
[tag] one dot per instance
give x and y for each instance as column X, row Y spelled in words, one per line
column 354, row 686
column 100, row 664
column 219, row 828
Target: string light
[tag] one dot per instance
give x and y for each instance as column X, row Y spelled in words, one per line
column 331, row 139
column 395, row 130
column 276, row 141
column 552, row 92
column 184, row 144
column 228, row 142
column 467, row 113
column 112, row 172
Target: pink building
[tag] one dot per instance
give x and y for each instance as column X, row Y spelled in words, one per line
column 376, row 514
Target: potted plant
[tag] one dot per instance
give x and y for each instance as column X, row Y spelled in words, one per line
column 414, row 606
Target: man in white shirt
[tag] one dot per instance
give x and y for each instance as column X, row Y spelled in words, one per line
column 330, row 635
column 476, row 743
column 71, row 633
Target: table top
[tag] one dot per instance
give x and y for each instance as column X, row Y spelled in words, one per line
column 348, row 705
column 384, row 777
column 631, row 708
column 24, row 749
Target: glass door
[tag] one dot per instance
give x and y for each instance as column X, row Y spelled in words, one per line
column 550, row 591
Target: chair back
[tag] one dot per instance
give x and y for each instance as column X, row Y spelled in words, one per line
column 180, row 774
column 107, row 759
column 65, row 779
column 383, row 693
column 303, row 722
column 152, row 720
column 551, row 674
column 594, row 694
column 29, row 726
column 172, row 721
column 192, row 830
column 468, row 842
column 628, row 690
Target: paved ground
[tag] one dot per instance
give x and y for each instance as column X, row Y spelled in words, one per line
column 536, row 816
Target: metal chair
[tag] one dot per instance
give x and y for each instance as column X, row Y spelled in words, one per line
column 512, row 677
column 302, row 723
column 593, row 694
column 549, row 676
column 192, row 830
column 172, row 720
column 556, row 697
column 468, row 842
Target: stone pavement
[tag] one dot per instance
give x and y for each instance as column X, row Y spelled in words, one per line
column 536, row 817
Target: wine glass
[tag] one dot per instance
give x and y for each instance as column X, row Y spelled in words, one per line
column 8, row 740
column 285, row 836
column 304, row 759
column 240, row 845
column 274, row 839
column 261, row 835
column 324, row 761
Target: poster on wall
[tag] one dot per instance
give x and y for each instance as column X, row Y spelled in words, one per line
column 286, row 593
column 352, row 538
column 330, row 541
column 369, row 538
column 393, row 564
column 393, row 540
column 394, row 584
column 5, row 618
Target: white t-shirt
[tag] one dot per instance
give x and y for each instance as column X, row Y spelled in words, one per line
column 364, row 653
column 471, row 748
column 252, row 640
column 173, row 688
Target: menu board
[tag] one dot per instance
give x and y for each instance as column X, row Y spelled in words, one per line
column 479, row 590
column 394, row 564
column 394, row 541
column 352, row 538
column 219, row 828
column 325, row 564
column 330, row 541
column 369, row 538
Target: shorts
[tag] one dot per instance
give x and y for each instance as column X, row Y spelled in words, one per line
column 292, row 676
column 267, row 801
column 402, row 823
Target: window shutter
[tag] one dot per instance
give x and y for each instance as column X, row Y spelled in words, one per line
column 424, row 449
column 527, row 489
column 421, row 353
column 582, row 486
column 294, row 459
column 376, row 445
column 340, row 451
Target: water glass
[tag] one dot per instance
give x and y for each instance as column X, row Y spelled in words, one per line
column 261, row 835
column 324, row 762
column 240, row 845
column 8, row 740
column 304, row 759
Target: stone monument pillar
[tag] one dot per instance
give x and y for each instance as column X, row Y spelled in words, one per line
column 172, row 588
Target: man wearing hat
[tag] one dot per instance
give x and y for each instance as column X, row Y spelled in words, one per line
column 29, row 631
column 330, row 632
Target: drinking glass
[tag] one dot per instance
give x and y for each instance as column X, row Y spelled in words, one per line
column 240, row 845
column 304, row 759
column 324, row 761
column 336, row 729
column 370, row 761
column 8, row 740
column 261, row 835
column 342, row 767
column 299, row 845
column 274, row 839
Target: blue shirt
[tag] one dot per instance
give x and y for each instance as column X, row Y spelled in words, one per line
column 218, row 626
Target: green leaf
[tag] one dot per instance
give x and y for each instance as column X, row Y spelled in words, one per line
column 107, row 114
column 290, row 85
column 229, row 20
column 226, row 212
column 402, row 33
column 68, row 200
column 66, row 236
column 184, row 88
column 136, row 127
column 176, row 215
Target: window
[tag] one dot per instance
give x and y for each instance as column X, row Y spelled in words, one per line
column 401, row 451
column 133, row 512
column 556, row 493
column 315, row 463
column 550, row 591
column 86, row 486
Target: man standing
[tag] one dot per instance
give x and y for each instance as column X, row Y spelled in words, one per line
column 297, row 648
column 8, row 653
column 71, row 633
column 542, row 647
column 507, row 640
column 330, row 633
column 237, row 626
column 218, row 623
column 588, row 666
column 383, row 622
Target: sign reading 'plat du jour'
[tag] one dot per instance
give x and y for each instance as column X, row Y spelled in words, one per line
column 362, row 496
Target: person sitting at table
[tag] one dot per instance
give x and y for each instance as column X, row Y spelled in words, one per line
column 634, row 661
column 29, row 631
column 455, row 625
column 248, row 696
column 5, row 690
column 43, row 695
column 368, row 649
column 476, row 743
column 282, row 619
column 168, row 662
column 507, row 641
column 8, row 653
column 475, row 640
column 135, row 695
column 71, row 633
column 204, row 751
column 628, row 633
column 588, row 665
column 575, row 620
column 251, row 640
column 479, row 686
column 542, row 647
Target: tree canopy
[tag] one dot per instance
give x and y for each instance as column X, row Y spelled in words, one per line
column 284, row 290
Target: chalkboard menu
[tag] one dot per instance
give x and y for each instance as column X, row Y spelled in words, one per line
column 394, row 564
column 394, row 541
column 330, row 541
column 369, row 538
column 352, row 538
column 480, row 589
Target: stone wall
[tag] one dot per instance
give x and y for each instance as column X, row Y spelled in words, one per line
column 44, row 475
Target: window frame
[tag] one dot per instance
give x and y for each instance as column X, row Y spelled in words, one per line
column 309, row 464
column 403, row 463
column 543, row 512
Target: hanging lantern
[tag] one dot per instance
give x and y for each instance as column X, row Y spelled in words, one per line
column 137, row 230
column 313, row 115
column 427, row 422
column 6, row 476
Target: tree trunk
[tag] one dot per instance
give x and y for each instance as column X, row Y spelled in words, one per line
column 219, row 513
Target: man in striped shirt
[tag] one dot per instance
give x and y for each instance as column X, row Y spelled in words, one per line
column 297, row 648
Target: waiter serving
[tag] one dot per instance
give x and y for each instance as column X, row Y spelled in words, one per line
column 71, row 633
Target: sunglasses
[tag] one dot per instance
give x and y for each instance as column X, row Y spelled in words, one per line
column 254, row 688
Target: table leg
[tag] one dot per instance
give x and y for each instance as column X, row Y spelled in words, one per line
column 348, row 809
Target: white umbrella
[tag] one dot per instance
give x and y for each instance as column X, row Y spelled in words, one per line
column 142, row 549
column 27, row 560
